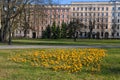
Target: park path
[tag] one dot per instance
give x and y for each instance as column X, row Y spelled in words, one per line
column 52, row 46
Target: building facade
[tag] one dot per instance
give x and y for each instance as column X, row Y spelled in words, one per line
column 98, row 13
column 101, row 14
column 40, row 19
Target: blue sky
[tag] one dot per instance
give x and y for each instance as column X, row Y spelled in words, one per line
column 69, row 1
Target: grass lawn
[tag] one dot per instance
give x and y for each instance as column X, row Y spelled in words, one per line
column 65, row 42
column 14, row 71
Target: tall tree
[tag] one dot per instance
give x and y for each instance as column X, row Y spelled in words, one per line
column 63, row 30
column 58, row 32
column 91, row 27
column 9, row 10
column 74, row 27
column 102, row 27
column 48, row 32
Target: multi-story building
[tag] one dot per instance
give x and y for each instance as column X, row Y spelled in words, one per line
column 98, row 13
column 115, row 20
column 101, row 14
column 40, row 19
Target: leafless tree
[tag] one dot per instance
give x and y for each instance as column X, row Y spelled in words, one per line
column 102, row 26
column 9, row 11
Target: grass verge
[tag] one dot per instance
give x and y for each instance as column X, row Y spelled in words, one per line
column 14, row 71
column 65, row 42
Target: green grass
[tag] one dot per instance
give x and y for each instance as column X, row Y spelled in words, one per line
column 65, row 42
column 14, row 71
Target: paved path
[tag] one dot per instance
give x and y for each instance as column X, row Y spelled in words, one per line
column 50, row 46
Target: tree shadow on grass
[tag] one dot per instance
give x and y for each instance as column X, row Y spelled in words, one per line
column 110, row 70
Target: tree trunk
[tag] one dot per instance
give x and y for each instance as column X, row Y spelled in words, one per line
column 25, row 33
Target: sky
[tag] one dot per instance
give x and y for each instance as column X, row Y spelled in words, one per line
column 69, row 1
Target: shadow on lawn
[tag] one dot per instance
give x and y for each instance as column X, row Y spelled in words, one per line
column 110, row 70
column 46, row 43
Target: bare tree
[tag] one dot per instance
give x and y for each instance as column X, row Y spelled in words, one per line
column 9, row 10
column 102, row 26
column 74, row 27
column 114, row 25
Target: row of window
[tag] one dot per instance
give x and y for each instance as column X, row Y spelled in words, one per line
column 90, row 14
column 105, row 20
column 118, row 8
column 97, row 27
column 117, row 20
column 58, row 10
column 90, row 8
column 117, row 14
column 100, row 33
column 59, row 16
column 21, row 32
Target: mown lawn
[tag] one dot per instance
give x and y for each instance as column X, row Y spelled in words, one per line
column 14, row 71
column 65, row 42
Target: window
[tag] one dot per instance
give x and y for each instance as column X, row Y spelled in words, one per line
column 113, row 8
column 97, row 26
column 101, row 33
column 77, row 14
column 106, row 20
column 89, row 14
column 42, row 28
column 63, row 16
column 73, row 14
column 118, row 8
column 94, row 8
column 118, row 27
column 113, row 14
column 81, row 14
column 106, row 8
column 81, row 20
column 90, row 8
column 102, row 20
column 85, row 14
column 112, row 34
column 73, row 9
column 106, row 14
column 85, row 34
column 118, row 13
column 81, row 8
column 102, row 8
column 112, row 20
column 102, row 14
column 118, row 20
column 94, row 14
column 117, row 34
column 98, row 20
column 106, row 26
column 85, row 8
column 98, row 8
column 58, row 16
column 78, row 8
column 98, row 14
